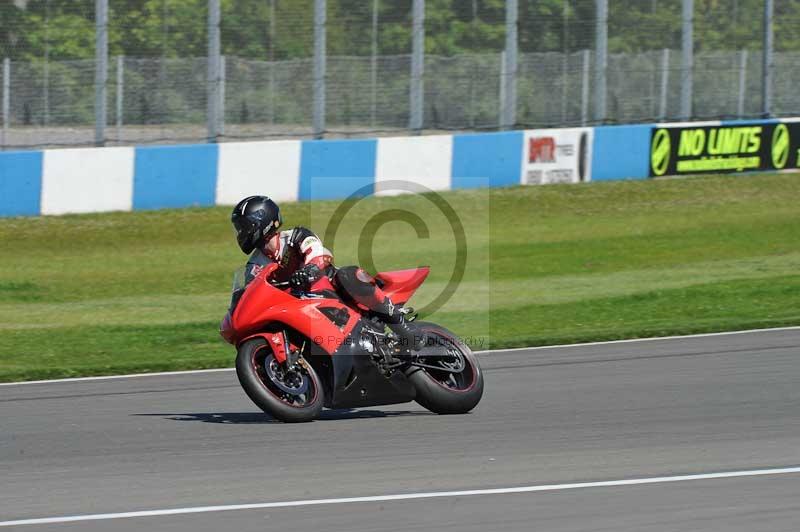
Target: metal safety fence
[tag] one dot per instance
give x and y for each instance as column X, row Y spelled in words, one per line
column 112, row 72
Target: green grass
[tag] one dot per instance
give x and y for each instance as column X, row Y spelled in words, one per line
column 123, row 292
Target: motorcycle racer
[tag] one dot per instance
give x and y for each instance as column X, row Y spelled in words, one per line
column 307, row 265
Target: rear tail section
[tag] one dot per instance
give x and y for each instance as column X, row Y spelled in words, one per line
column 400, row 285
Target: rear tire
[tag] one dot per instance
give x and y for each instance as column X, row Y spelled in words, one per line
column 440, row 391
column 294, row 398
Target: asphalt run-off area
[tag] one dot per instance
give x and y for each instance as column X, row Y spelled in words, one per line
column 684, row 433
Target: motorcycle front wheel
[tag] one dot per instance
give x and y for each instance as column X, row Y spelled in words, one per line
column 457, row 387
column 290, row 395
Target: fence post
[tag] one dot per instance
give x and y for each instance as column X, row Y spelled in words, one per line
column 46, row 71
column 687, row 59
column 212, row 86
column 320, row 60
column 601, row 61
column 101, row 71
column 662, row 108
column 503, row 79
column 46, row 90
column 742, row 82
column 272, row 61
column 509, row 114
column 564, row 60
column 585, row 88
column 766, row 88
column 374, row 64
column 416, row 96
column 221, row 104
column 6, row 99
column 120, row 94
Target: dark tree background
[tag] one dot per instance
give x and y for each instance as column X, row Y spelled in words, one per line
column 64, row 29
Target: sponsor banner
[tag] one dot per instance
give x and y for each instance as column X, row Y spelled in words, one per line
column 557, row 156
column 719, row 148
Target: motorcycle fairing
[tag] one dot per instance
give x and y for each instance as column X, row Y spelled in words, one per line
column 357, row 380
column 400, row 285
column 318, row 319
column 262, row 304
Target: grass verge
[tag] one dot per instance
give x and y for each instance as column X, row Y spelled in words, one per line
column 130, row 292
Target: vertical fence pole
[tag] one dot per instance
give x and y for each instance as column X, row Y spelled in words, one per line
column 320, row 59
column 471, row 114
column 742, row 82
column 511, row 65
column 653, row 101
column 272, row 61
column 662, row 108
column 101, row 71
column 120, row 93
column 687, row 58
column 766, row 88
column 416, row 96
column 585, row 88
column 374, row 65
column 46, row 73
column 600, row 61
column 503, row 79
column 6, row 99
column 212, row 83
column 564, row 60
column 221, row 103
column 46, row 91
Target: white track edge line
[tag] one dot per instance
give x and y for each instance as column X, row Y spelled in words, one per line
column 399, row 497
column 125, row 376
column 650, row 339
column 488, row 351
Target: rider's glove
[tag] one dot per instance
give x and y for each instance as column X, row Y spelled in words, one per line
column 303, row 278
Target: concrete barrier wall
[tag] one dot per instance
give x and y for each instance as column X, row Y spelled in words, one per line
column 20, row 183
column 155, row 177
column 621, row 152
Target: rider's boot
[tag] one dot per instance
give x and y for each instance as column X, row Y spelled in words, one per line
column 413, row 339
column 362, row 287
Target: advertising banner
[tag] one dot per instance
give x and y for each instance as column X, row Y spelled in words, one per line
column 740, row 147
column 557, row 156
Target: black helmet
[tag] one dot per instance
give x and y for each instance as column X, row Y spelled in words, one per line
column 255, row 218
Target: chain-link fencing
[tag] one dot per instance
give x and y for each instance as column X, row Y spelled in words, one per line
column 314, row 68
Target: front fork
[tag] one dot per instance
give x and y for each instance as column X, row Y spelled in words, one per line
column 282, row 349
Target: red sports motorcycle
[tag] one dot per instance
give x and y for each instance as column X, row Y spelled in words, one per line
column 298, row 352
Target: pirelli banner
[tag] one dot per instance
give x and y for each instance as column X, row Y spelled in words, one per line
column 551, row 156
column 697, row 149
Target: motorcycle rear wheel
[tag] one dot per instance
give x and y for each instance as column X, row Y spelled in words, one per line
column 291, row 397
column 443, row 392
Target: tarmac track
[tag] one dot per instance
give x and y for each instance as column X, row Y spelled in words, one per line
column 554, row 416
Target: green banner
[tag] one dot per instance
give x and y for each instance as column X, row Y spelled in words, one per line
column 724, row 148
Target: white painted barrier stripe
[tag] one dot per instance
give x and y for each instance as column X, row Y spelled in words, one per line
column 400, row 497
column 489, row 351
column 84, row 180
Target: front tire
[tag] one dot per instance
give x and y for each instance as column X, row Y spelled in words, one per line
column 289, row 396
column 444, row 392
